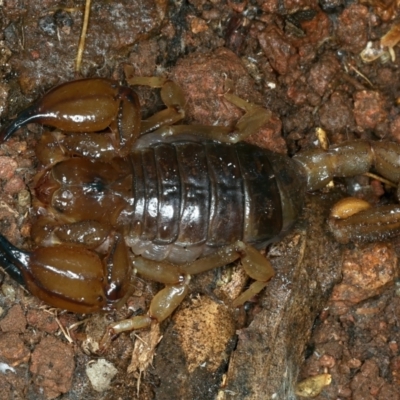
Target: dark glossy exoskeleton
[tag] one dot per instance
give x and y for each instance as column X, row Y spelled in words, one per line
column 165, row 201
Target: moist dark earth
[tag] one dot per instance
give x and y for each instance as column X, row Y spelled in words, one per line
column 330, row 66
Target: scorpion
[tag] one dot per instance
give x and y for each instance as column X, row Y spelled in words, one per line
column 118, row 196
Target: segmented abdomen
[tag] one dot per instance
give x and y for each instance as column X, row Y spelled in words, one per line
column 191, row 197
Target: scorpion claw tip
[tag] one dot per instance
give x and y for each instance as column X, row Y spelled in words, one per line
column 28, row 115
column 13, row 260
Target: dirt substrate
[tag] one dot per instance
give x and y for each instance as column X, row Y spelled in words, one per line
column 331, row 311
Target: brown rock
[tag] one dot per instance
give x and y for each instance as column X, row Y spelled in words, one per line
column 366, row 273
column 7, row 167
column 277, row 49
column 352, row 28
column 13, row 349
column 52, row 367
column 42, row 320
column 369, row 109
column 14, row 321
column 205, row 103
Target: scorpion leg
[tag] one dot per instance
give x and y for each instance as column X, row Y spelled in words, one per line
column 177, row 279
column 171, row 95
column 161, row 307
column 253, row 262
column 255, row 117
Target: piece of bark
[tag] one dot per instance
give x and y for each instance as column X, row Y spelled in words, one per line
column 270, row 350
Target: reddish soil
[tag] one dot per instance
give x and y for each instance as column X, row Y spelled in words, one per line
column 303, row 61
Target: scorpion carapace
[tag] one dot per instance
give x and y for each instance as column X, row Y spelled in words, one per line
column 162, row 200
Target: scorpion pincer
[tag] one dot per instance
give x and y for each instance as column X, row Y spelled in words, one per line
column 120, row 196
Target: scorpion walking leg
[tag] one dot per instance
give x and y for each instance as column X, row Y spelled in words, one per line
column 161, row 307
column 254, row 263
column 171, row 95
column 169, row 298
column 255, row 117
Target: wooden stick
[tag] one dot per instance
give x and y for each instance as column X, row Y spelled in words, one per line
column 82, row 39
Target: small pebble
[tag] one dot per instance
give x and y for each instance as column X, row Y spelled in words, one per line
column 100, row 374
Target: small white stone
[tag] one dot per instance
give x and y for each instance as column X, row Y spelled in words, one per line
column 8, row 291
column 5, row 367
column 100, row 374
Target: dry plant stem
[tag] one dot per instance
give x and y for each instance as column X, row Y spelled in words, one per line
column 380, row 179
column 83, row 37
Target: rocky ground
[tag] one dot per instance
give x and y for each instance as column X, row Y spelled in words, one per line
column 332, row 309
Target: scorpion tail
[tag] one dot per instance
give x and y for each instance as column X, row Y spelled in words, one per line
column 28, row 115
column 13, row 260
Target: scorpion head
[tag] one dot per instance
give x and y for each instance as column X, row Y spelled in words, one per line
column 82, row 189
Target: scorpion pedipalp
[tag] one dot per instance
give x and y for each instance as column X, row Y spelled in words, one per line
column 69, row 276
column 102, row 104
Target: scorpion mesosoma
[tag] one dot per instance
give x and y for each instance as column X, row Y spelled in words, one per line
column 166, row 201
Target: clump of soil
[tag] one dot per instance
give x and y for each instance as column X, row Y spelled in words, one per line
column 305, row 61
